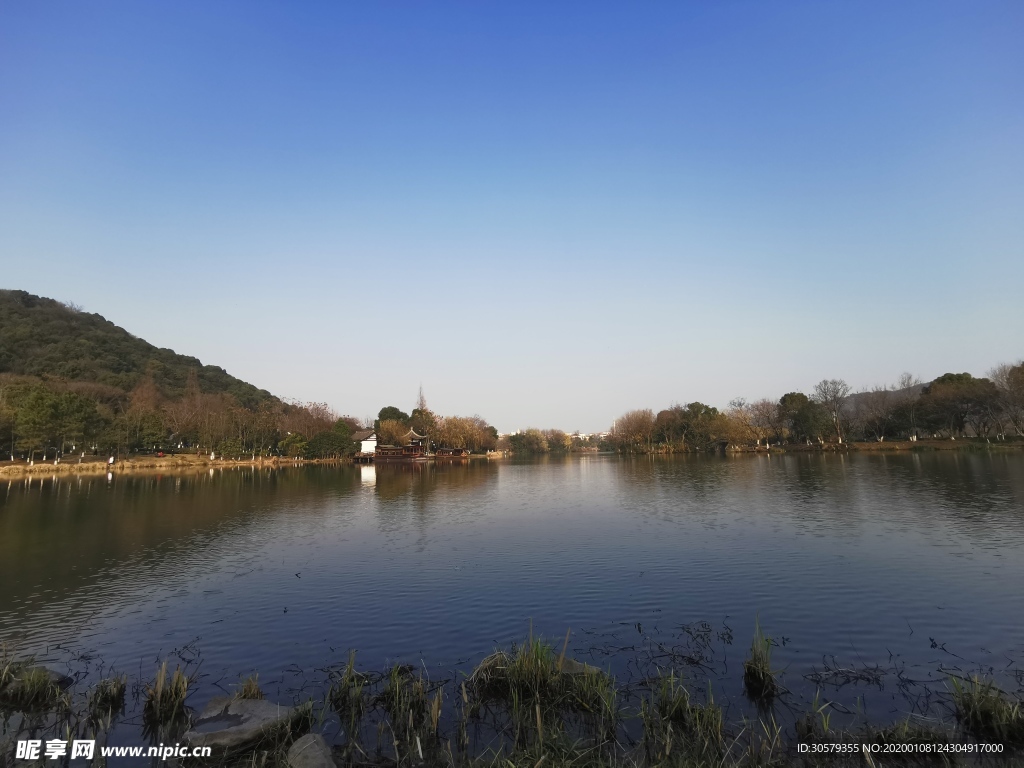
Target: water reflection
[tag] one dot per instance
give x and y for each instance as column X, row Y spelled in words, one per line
column 443, row 561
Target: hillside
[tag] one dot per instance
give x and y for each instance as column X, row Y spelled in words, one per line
column 50, row 340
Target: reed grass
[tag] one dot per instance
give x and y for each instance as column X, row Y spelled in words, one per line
column 986, row 712
column 674, row 725
column 532, row 672
column 165, row 699
column 250, row 688
column 8, row 668
column 347, row 696
column 545, row 695
column 758, row 678
column 30, row 688
column 107, row 698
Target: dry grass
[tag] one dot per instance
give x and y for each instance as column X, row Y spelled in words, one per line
column 165, row 700
column 250, row 688
column 28, row 688
column 987, row 713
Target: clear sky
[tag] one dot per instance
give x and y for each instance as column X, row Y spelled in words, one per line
column 544, row 213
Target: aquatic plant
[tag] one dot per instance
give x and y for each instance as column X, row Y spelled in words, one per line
column 8, row 668
column 28, row 688
column 543, row 692
column 346, row 696
column 107, row 698
column 672, row 724
column 250, row 688
column 986, row 712
column 758, row 679
column 165, row 699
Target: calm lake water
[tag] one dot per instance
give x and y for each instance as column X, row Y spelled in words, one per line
column 911, row 562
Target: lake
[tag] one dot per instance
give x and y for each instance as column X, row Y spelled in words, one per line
column 890, row 568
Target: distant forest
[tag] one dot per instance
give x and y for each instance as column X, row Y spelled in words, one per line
column 71, row 381
column 953, row 406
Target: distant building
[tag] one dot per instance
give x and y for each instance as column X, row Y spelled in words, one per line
column 366, row 445
column 413, row 449
column 367, row 439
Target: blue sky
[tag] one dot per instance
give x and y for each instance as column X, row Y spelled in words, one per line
column 546, row 213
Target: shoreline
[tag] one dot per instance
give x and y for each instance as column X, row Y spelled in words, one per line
column 192, row 463
column 178, row 462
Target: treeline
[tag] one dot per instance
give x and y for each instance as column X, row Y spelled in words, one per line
column 954, row 405
column 472, row 432
column 45, row 418
column 538, row 441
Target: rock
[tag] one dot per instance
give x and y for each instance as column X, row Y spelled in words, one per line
column 32, row 688
column 573, row 667
column 311, row 751
column 236, row 725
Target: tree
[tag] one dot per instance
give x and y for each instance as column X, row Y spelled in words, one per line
column 391, row 413
column 669, row 428
column 804, row 419
column 634, row 430
column 740, row 413
column 485, row 436
column 558, row 441
column 528, row 441
column 391, row 432
column 424, row 422
column 701, row 426
column 1009, row 381
column 332, row 444
column 37, row 420
column 877, row 411
column 955, row 400
column 77, row 419
column 453, row 432
column 831, row 395
column 766, row 420
column 907, row 394
column 293, row 445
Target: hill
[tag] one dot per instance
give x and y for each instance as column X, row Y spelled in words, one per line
column 74, row 382
column 47, row 339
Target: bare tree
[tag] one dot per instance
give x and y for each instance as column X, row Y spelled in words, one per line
column 635, row 429
column 766, row 419
column 877, row 409
column 1009, row 380
column 831, row 394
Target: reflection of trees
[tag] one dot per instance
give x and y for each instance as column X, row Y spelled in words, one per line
column 64, row 532
column 421, row 480
column 698, row 475
column 980, row 494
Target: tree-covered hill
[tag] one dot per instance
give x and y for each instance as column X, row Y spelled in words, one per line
column 73, row 381
column 51, row 340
